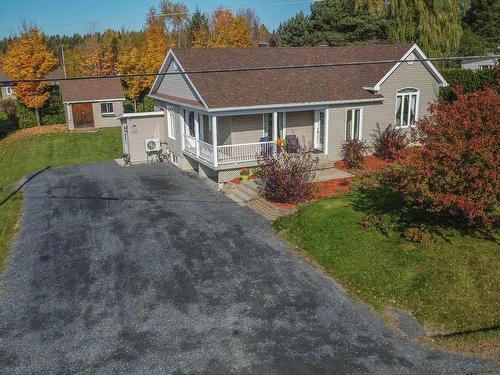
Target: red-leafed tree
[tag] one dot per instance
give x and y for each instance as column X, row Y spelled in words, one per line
column 457, row 169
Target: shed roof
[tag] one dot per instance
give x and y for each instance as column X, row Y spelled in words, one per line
column 92, row 89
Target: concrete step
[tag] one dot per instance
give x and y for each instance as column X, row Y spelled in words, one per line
column 234, row 197
column 242, row 195
column 250, row 188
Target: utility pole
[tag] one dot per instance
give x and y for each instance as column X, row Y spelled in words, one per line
column 63, row 60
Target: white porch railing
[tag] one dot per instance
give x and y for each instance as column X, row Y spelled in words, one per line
column 206, row 151
column 227, row 154
column 242, row 153
column 190, row 144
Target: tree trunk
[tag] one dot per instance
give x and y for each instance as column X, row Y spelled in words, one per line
column 135, row 105
column 37, row 113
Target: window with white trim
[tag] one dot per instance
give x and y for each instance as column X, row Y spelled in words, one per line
column 9, row 91
column 406, row 107
column 107, row 108
column 353, row 124
column 171, row 122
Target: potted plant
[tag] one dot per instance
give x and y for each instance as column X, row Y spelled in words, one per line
column 245, row 174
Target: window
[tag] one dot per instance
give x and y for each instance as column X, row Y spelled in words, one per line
column 482, row 67
column 9, row 91
column 174, row 159
column 406, row 107
column 107, row 108
column 353, row 124
column 268, row 125
column 171, row 122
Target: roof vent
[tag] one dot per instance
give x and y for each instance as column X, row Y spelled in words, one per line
column 263, row 44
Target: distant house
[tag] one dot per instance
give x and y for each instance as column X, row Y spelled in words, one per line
column 479, row 64
column 219, row 121
column 92, row 103
column 6, row 91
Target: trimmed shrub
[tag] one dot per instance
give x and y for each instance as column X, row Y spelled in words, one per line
column 456, row 172
column 286, row 177
column 353, row 152
column 388, row 143
column 469, row 80
column 53, row 111
column 25, row 117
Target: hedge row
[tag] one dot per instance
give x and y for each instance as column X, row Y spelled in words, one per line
column 470, row 80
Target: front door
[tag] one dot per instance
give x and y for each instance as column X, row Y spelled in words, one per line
column 319, row 130
column 83, row 115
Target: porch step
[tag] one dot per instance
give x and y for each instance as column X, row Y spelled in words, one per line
column 267, row 209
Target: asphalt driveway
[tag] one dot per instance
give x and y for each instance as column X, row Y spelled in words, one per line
column 147, row 270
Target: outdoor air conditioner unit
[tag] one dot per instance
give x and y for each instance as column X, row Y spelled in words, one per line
column 152, row 144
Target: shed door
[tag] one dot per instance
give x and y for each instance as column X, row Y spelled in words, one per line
column 83, row 115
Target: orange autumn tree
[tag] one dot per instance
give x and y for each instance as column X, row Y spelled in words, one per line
column 27, row 58
column 132, row 61
column 98, row 59
column 229, row 31
column 156, row 46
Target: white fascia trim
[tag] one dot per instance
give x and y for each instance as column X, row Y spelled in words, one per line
column 181, row 69
column 95, row 101
column 421, row 54
column 141, row 114
column 292, row 105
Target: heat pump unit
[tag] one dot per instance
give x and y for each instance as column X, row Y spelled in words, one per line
column 152, row 144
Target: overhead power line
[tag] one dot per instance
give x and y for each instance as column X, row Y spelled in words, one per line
column 248, row 69
column 127, row 18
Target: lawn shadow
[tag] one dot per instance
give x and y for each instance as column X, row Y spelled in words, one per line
column 26, row 180
column 383, row 201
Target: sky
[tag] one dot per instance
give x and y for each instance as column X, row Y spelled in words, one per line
column 73, row 16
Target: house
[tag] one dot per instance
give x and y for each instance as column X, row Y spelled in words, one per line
column 92, row 103
column 223, row 107
column 480, row 63
column 6, row 91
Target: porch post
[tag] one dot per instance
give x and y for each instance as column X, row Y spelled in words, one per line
column 197, row 133
column 275, row 126
column 214, row 139
column 327, row 130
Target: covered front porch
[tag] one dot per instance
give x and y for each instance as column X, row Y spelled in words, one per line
column 229, row 141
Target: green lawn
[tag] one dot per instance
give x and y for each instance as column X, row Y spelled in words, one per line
column 21, row 156
column 451, row 282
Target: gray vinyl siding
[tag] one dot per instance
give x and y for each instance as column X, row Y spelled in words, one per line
column 224, row 130
column 301, row 124
column 176, row 85
column 246, row 129
column 102, row 120
column 141, row 128
column 406, row 75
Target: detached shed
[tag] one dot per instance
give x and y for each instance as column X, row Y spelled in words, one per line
column 92, row 103
column 143, row 132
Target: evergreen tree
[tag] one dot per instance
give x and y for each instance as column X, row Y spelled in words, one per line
column 296, row 31
column 483, row 18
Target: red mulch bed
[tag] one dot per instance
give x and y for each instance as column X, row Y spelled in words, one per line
column 237, row 180
column 372, row 163
column 324, row 189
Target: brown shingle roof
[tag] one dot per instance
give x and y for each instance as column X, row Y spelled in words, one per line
column 286, row 86
column 91, row 89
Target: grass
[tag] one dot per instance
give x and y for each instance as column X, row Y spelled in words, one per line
column 21, row 153
column 451, row 282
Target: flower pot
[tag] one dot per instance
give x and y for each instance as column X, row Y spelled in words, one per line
column 245, row 177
